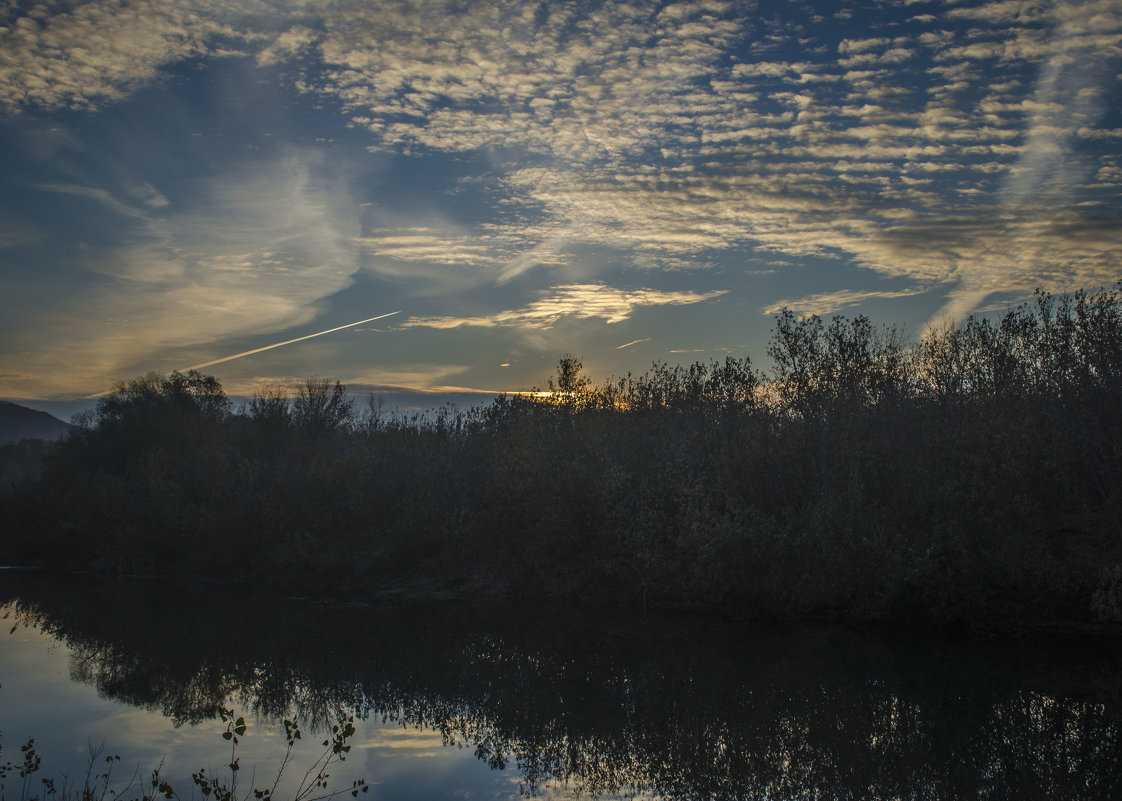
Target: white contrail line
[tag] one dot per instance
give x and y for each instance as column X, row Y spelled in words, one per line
column 270, row 347
column 632, row 342
column 289, row 341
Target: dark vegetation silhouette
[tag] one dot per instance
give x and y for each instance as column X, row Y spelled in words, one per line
column 22, row 461
column 969, row 478
column 30, row 781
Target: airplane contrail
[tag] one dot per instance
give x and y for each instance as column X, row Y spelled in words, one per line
column 270, row 347
column 289, row 341
column 632, row 342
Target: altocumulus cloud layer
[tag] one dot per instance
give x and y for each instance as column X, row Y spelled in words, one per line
column 531, row 174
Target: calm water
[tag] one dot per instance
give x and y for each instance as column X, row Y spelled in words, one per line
column 453, row 701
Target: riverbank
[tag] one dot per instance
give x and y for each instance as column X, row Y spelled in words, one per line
column 965, row 481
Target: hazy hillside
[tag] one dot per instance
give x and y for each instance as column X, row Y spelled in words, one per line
column 18, row 422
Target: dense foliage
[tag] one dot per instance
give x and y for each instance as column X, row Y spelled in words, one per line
column 970, row 477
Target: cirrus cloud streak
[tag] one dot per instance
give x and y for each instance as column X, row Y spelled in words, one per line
column 576, row 301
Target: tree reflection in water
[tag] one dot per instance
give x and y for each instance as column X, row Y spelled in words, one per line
column 682, row 707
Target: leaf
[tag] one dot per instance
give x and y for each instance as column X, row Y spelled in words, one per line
column 226, row 735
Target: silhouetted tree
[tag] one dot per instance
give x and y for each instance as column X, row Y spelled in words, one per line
column 271, row 407
column 969, row 477
column 320, row 408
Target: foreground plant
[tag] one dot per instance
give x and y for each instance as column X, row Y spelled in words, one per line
column 99, row 786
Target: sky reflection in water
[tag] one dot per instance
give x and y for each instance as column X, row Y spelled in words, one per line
column 565, row 705
column 70, row 719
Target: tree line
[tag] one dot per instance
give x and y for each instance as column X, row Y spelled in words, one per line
column 965, row 478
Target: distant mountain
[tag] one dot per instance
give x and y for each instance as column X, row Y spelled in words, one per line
column 18, row 422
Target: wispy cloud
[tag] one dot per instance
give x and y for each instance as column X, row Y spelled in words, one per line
column 578, row 301
column 683, row 145
column 13, row 234
column 835, row 143
column 102, row 196
column 966, row 151
column 252, row 254
column 420, row 377
column 825, row 303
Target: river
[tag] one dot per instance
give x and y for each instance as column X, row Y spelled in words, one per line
column 456, row 700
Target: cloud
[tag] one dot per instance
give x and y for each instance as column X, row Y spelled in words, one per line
column 418, row 377
column 102, row 196
column 1067, row 102
column 847, row 46
column 1004, row 12
column 15, row 234
column 825, row 303
column 781, row 181
column 428, row 246
column 97, row 52
column 288, row 44
column 436, row 257
column 577, row 301
column 251, row 254
column 920, row 151
column 573, row 84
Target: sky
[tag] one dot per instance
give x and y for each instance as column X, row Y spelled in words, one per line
column 188, row 180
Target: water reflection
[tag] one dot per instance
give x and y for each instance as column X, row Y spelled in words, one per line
column 682, row 708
